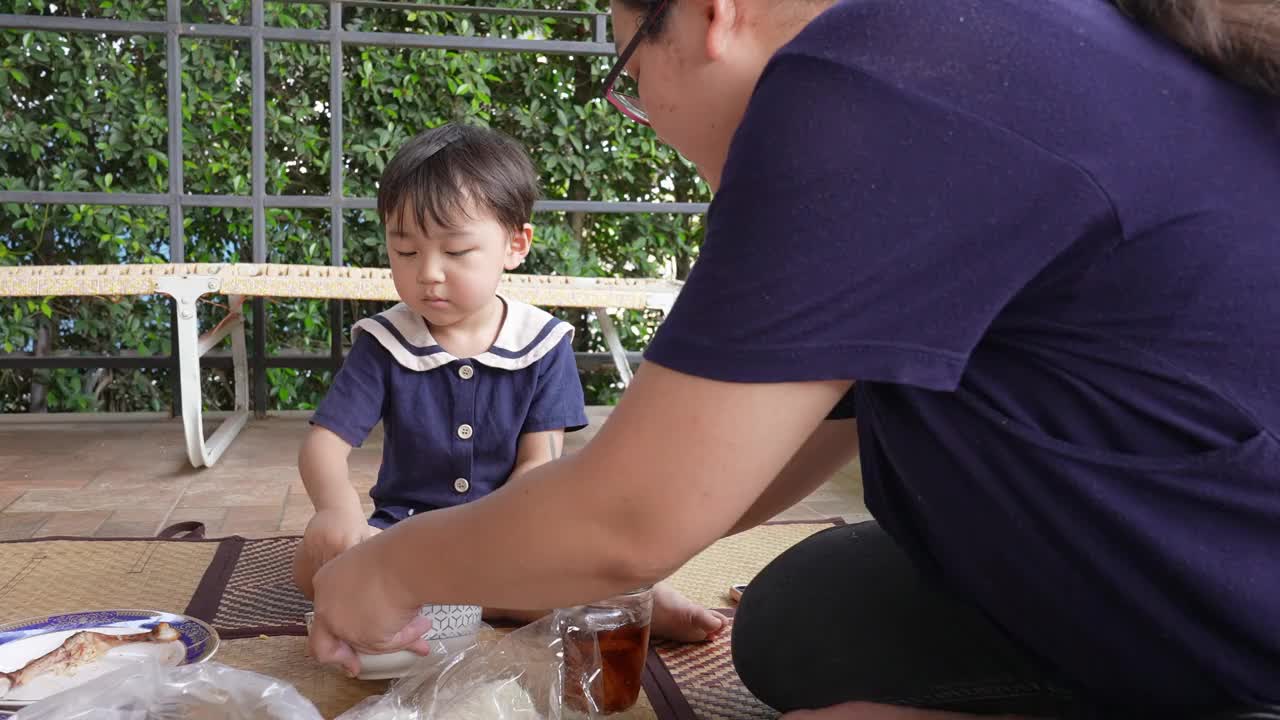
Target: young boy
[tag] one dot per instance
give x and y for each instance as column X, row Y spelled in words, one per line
column 472, row 388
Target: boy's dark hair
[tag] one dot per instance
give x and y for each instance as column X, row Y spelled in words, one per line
column 442, row 172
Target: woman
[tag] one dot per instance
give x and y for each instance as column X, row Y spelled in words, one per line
column 1043, row 237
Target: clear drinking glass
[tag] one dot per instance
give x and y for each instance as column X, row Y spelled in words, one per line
column 605, row 646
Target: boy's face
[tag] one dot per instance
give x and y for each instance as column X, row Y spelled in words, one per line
column 447, row 275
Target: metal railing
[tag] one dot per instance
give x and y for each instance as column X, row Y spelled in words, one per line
column 258, row 33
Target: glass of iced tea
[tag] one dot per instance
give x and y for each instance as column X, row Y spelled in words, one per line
column 605, row 646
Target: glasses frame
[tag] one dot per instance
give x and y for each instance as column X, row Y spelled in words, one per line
column 626, row 104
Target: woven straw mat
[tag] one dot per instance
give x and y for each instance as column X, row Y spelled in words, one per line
column 56, row 576
column 706, row 578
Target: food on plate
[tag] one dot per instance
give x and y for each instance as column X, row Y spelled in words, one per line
column 80, row 649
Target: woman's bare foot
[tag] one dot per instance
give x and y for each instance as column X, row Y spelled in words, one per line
column 675, row 617
column 872, row 711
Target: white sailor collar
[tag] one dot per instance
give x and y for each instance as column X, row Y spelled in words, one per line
column 527, row 335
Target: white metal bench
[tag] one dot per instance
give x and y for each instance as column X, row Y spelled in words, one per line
column 186, row 283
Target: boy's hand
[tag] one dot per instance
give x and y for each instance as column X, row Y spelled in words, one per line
column 332, row 532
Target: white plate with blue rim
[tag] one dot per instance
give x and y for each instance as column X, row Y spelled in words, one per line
column 22, row 641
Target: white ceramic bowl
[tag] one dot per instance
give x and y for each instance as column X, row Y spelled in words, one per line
column 453, row 629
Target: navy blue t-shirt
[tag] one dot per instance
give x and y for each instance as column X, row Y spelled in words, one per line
column 451, row 426
column 1047, row 246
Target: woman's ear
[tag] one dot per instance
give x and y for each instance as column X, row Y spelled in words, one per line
column 722, row 23
column 518, row 246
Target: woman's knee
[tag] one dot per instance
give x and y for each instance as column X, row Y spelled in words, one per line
column 784, row 621
column 846, row 616
column 753, row 637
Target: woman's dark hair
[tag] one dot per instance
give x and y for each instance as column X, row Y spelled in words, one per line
column 443, row 172
column 645, row 7
column 1240, row 39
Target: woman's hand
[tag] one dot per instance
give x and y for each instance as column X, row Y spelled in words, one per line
column 361, row 608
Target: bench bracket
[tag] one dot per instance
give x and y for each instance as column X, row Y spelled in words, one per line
column 190, row 346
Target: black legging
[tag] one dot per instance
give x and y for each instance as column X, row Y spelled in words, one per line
column 807, row 635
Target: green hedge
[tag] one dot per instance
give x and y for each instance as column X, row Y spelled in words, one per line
column 87, row 112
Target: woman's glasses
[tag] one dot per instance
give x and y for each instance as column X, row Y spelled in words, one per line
column 620, row 88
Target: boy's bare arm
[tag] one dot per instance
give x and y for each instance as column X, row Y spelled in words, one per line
column 339, row 521
column 322, row 462
column 536, row 449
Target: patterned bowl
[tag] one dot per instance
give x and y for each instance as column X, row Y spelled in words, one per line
column 451, row 621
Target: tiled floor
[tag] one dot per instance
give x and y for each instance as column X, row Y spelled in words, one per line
column 130, row 477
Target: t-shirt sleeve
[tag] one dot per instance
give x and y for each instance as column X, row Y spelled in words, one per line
column 355, row 401
column 558, row 402
column 864, row 232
